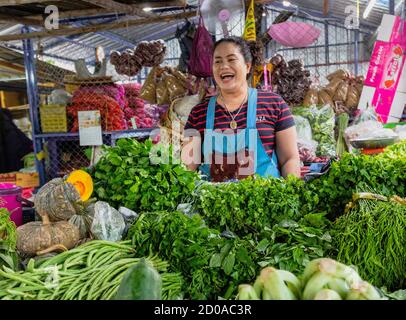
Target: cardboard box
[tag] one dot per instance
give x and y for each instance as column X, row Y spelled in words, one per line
column 385, row 83
column 27, row 180
column 8, row 177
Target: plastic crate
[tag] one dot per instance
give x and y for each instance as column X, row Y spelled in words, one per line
column 53, row 118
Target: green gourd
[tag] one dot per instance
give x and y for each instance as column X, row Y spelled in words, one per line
column 140, row 282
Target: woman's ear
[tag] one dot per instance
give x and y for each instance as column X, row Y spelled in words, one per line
column 249, row 66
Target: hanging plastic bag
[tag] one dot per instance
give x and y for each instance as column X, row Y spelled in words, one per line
column 108, row 224
column 201, row 60
column 162, row 93
column 148, row 89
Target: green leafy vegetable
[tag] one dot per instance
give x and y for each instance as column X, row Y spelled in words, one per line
column 142, row 177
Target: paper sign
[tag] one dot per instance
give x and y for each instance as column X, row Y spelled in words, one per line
column 90, row 132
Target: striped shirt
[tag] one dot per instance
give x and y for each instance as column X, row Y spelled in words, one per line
column 273, row 115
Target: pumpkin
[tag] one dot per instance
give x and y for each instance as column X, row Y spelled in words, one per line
column 58, row 200
column 83, row 183
column 37, row 237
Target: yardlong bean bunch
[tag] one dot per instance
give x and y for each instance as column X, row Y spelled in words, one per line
column 92, row 271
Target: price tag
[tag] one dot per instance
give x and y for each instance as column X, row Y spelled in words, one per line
column 90, row 131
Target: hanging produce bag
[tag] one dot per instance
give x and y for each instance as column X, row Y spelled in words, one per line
column 148, row 89
column 201, row 61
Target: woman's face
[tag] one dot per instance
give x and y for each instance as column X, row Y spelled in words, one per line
column 229, row 67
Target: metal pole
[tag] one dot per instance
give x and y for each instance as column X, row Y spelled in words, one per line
column 326, row 43
column 356, row 51
column 392, row 7
column 32, row 92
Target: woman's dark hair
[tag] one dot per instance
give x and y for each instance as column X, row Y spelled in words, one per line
column 240, row 43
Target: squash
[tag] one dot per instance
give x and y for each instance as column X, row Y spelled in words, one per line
column 58, row 200
column 140, row 282
column 37, row 237
column 83, row 183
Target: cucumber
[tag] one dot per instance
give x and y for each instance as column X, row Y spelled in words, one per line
column 140, row 282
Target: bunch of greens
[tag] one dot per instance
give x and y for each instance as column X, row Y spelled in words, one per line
column 214, row 264
column 384, row 171
column 322, row 121
column 8, row 241
column 290, row 245
column 206, row 260
column 253, row 204
column 141, row 176
column 372, row 236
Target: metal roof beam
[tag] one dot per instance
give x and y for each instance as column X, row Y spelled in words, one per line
column 72, row 14
column 98, row 27
column 120, row 7
column 5, row 3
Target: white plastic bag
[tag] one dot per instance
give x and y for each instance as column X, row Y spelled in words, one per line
column 108, row 223
column 60, row 96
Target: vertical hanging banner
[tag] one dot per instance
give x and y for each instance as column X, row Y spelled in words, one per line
column 90, row 132
column 249, row 29
column 385, row 83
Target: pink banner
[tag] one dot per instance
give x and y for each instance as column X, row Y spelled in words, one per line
column 385, row 69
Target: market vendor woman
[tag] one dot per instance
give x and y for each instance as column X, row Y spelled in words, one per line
column 241, row 131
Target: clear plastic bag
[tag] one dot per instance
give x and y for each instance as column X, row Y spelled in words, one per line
column 322, row 122
column 129, row 217
column 60, row 96
column 83, row 219
column 108, row 224
column 307, row 150
column 303, row 128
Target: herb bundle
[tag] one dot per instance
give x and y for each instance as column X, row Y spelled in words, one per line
column 132, row 174
column 372, row 236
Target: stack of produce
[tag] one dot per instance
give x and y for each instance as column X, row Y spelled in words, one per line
column 323, row 279
column 130, row 62
column 165, row 84
column 252, row 203
column 135, row 105
column 322, row 122
column 112, row 116
column 141, row 176
column 372, row 236
column 92, row 271
column 272, row 212
column 114, row 91
column 384, row 171
column 289, row 79
column 213, row 264
column 8, row 241
column 342, row 92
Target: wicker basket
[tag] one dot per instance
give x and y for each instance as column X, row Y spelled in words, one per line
column 53, row 118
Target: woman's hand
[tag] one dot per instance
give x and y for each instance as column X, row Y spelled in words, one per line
column 287, row 152
column 191, row 152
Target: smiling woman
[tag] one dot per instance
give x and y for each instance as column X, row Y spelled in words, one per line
column 241, row 131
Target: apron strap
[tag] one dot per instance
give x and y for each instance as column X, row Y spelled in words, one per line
column 252, row 109
column 211, row 109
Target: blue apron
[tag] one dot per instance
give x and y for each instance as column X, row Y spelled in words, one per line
column 228, row 145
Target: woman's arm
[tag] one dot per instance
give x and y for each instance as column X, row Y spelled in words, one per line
column 287, row 152
column 191, row 152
